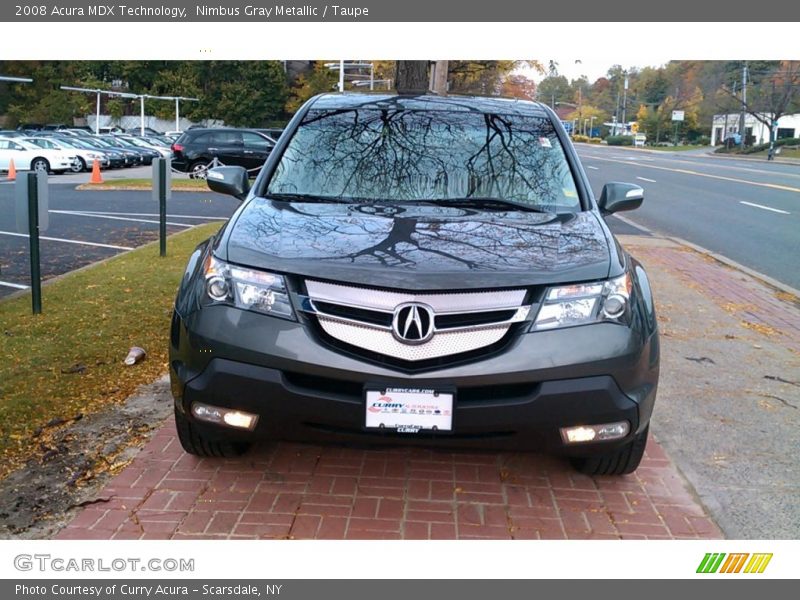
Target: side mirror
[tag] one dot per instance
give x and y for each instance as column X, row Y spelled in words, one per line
column 617, row 197
column 232, row 181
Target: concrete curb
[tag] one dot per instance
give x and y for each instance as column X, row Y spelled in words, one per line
column 787, row 289
column 755, row 159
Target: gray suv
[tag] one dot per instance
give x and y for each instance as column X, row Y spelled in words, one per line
column 418, row 270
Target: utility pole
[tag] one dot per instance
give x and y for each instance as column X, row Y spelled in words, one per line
column 625, row 104
column 744, row 104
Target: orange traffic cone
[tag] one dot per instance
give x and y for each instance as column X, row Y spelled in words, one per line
column 96, row 177
column 12, row 171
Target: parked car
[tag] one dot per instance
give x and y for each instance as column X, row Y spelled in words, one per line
column 138, row 131
column 272, row 132
column 419, row 270
column 30, row 127
column 30, row 157
column 116, row 158
column 154, row 150
column 732, row 139
column 132, row 157
column 85, row 158
column 194, row 151
column 146, row 155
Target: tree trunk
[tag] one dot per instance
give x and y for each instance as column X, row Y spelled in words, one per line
column 440, row 77
column 411, row 76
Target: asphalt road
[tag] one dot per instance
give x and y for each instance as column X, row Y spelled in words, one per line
column 745, row 210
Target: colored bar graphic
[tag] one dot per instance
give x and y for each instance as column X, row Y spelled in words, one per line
column 710, row 563
column 758, row 563
column 734, row 562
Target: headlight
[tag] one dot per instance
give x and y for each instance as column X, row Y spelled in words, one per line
column 584, row 303
column 247, row 289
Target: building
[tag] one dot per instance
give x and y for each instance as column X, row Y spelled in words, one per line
column 724, row 126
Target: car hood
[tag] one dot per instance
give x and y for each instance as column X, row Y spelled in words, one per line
column 417, row 246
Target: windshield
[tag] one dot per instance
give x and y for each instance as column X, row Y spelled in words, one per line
column 405, row 155
column 138, row 142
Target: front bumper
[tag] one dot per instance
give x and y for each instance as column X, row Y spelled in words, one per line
column 517, row 399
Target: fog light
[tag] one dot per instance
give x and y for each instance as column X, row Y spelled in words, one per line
column 595, row 433
column 224, row 416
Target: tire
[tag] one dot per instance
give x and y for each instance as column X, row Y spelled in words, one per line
column 622, row 461
column 198, row 169
column 78, row 166
column 199, row 445
column 40, row 164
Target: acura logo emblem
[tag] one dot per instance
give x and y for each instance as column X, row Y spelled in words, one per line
column 413, row 323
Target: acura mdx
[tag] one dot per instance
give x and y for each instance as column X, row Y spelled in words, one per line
column 420, row 270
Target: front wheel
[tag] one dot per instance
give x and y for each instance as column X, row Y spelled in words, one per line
column 40, row 164
column 621, row 461
column 196, row 443
column 198, row 170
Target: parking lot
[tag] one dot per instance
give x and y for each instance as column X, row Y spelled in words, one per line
column 88, row 226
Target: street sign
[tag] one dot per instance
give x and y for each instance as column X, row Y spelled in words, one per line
column 677, row 115
column 21, row 197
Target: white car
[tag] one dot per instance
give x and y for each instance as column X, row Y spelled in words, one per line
column 85, row 158
column 29, row 157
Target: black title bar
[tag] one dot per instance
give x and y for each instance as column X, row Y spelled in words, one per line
column 405, row 11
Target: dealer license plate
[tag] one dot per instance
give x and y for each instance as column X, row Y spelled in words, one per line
column 409, row 410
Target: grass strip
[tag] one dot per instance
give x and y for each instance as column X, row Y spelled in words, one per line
column 69, row 360
column 130, row 184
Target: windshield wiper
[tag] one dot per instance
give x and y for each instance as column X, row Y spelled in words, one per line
column 310, row 198
column 485, row 202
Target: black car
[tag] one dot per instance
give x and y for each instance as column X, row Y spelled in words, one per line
column 131, row 157
column 145, row 155
column 195, row 150
column 423, row 270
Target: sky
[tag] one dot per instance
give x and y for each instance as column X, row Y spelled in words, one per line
column 572, row 68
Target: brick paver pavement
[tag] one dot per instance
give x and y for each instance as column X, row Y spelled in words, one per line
column 287, row 490
column 755, row 304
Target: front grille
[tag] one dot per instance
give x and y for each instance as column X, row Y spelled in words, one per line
column 364, row 320
column 356, row 314
column 468, row 319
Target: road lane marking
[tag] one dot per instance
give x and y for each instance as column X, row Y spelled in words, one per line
column 774, row 186
column 646, row 179
column 593, row 168
column 16, row 286
column 81, row 243
column 777, row 210
column 627, row 221
column 128, row 214
column 75, row 213
column 714, row 163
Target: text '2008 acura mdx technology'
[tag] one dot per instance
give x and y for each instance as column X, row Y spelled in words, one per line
column 418, row 269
